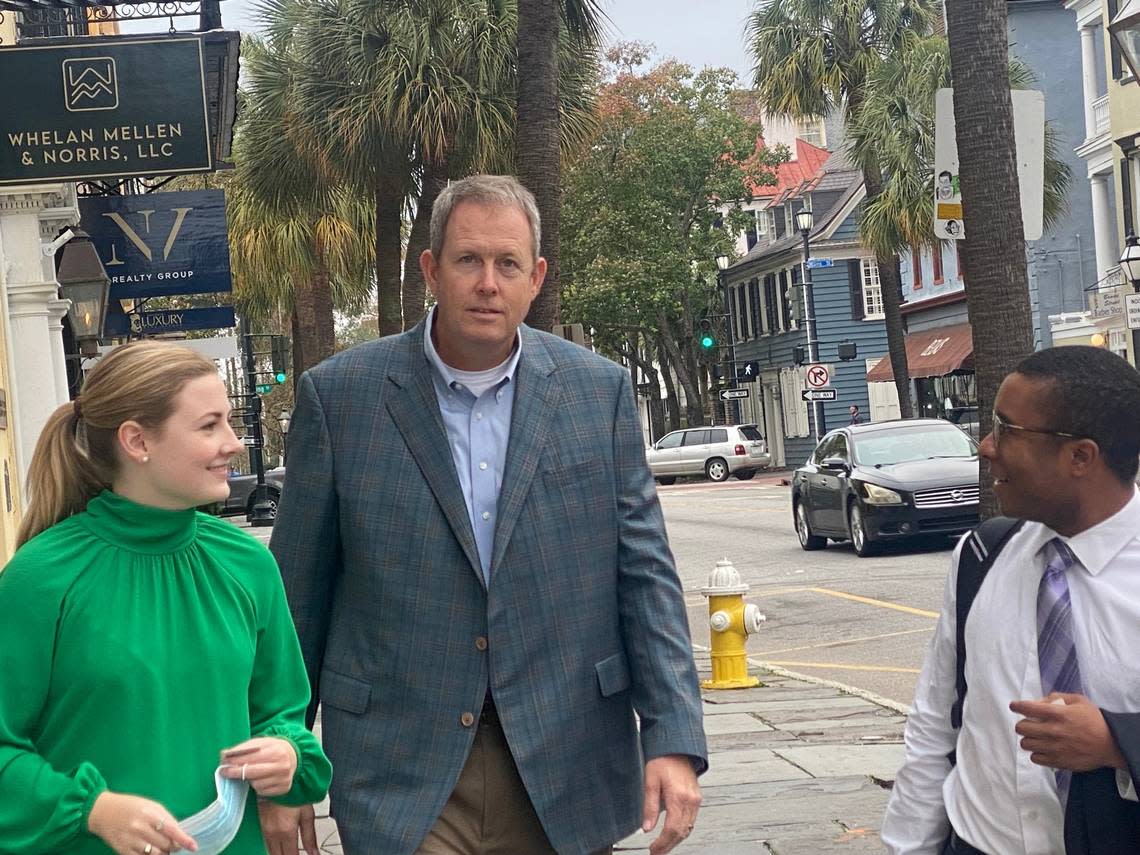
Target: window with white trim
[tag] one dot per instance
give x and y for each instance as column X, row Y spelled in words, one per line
column 872, row 291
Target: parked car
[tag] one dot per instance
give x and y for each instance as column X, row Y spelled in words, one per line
column 966, row 418
column 717, row 452
column 886, row 481
column 241, row 492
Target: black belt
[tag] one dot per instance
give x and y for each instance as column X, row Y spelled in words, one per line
column 489, row 716
column 955, row 845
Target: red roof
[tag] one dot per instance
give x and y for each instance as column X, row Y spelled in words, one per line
column 796, row 175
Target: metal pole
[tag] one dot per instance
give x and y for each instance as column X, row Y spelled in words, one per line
column 262, row 514
column 812, row 341
column 735, row 404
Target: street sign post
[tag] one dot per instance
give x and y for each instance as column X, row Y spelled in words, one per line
column 732, row 394
column 817, row 376
column 1132, row 307
column 819, row 394
column 817, row 263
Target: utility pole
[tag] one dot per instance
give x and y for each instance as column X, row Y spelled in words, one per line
column 262, row 510
column 732, row 407
column 804, row 221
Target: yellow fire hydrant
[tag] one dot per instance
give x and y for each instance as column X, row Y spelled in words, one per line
column 732, row 620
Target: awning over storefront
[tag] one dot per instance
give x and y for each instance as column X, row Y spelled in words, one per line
column 932, row 353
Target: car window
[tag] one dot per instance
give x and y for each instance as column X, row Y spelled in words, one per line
column 750, row 432
column 821, row 450
column 672, row 440
column 906, row 444
column 838, row 447
column 717, row 435
column 696, row 437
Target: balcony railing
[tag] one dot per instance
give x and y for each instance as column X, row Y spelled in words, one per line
column 1100, row 115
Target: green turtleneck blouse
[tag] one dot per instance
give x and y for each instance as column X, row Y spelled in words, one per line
column 137, row 643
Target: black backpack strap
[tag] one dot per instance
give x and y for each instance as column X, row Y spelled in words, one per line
column 978, row 553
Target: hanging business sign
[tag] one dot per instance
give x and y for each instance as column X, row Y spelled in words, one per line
column 100, row 110
column 161, row 244
column 168, row 320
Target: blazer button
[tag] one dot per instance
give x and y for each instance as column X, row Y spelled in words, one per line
column 467, row 719
column 480, row 643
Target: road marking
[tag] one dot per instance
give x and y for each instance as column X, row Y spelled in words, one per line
column 888, row 669
column 828, row 644
column 883, row 604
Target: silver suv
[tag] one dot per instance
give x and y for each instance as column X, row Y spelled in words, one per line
column 718, row 452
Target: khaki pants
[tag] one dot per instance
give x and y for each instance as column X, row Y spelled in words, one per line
column 489, row 813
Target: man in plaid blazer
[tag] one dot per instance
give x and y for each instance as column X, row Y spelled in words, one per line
column 477, row 565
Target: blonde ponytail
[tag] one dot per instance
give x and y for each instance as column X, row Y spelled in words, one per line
column 76, row 456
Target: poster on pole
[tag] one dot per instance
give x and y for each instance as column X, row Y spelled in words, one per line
column 1029, row 138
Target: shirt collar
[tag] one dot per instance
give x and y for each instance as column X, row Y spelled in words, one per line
column 446, row 372
column 1097, row 546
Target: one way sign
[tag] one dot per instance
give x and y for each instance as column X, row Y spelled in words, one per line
column 747, row 372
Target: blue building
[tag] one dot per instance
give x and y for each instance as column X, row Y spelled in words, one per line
column 766, row 309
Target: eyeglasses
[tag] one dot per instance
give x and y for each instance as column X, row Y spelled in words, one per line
column 1000, row 426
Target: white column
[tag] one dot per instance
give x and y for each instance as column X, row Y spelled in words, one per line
column 1104, row 227
column 28, row 215
column 1088, row 77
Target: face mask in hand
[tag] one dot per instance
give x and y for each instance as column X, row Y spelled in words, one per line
column 214, row 827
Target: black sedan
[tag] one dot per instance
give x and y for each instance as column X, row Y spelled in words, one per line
column 887, row 481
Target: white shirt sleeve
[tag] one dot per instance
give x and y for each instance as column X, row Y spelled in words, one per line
column 916, row 823
column 1125, row 785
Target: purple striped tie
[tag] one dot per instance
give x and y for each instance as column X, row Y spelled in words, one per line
column 1056, row 650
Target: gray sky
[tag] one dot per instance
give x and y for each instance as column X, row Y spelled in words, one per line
column 699, row 33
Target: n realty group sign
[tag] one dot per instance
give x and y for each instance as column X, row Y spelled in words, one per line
column 104, row 109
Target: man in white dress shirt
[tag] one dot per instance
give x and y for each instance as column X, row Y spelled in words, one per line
column 1063, row 454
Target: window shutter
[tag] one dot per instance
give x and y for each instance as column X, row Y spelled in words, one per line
column 855, row 281
column 754, row 307
column 1117, row 60
column 786, row 300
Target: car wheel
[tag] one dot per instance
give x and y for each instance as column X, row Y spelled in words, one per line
column 717, row 469
column 272, row 495
column 746, row 476
column 808, row 541
column 666, row 480
column 862, row 544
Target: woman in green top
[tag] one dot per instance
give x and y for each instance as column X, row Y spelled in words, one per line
column 143, row 644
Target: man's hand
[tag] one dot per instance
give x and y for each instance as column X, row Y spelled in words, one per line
column 670, row 781
column 280, row 826
column 1070, row 735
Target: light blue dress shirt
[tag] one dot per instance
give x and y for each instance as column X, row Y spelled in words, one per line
column 478, row 429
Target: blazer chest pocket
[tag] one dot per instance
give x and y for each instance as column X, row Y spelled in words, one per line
column 613, row 675
column 345, row 693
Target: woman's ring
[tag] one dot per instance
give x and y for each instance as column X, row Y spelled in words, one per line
column 147, row 849
column 160, row 826
column 243, row 765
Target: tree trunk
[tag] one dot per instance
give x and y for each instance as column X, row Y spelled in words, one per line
column 694, row 411
column 434, row 180
column 653, row 378
column 672, row 403
column 389, row 200
column 314, row 331
column 994, row 249
column 538, row 138
column 890, row 281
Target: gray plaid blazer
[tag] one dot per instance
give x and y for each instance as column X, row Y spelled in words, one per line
column 584, row 615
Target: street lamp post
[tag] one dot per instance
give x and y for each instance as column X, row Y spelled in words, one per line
column 805, row 219
column 283, row 419
column 83, row 280
column 1130, row 266
column 734, row 405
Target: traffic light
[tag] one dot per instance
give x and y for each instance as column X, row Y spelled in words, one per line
column 799, row 355
column 707, row 339
column 279, row 358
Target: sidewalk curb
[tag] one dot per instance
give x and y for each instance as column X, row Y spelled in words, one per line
column 879, row 700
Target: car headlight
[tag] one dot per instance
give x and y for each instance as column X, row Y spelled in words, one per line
column 875, row 495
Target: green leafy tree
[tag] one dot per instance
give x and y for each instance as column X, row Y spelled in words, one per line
column 650, row 203
column 813, row 58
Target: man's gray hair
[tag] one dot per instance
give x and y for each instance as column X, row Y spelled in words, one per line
column 504, row 190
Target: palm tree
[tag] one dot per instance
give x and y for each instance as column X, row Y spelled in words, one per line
column 994, row 249
column 300, row 245
column 547, row 28
column 812, row 58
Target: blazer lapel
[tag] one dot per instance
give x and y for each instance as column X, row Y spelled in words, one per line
column 536, row 399
column 415, row 410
